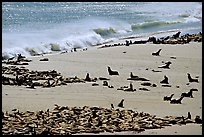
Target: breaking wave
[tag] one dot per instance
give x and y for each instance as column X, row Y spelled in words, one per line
column 148, row 25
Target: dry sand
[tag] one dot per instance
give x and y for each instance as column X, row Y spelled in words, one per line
column 137, row 59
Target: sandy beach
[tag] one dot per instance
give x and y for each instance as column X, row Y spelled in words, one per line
column 136, row 58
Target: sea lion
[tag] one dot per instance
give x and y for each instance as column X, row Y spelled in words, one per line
column 130, row 89
column 198, row 120
column 166, row 98
column 87, row 78
column 132, row 76
column 176, row 35
column 153, row 39
column 188, row 94
column 166, row 66
column 189, row 115
column 102, row 78
column 44, row 59
column 127, row 43
column 165, row 81
column 112, row 107
column 111, row 72
column 105, row 83
column 121, row 103
column 190, row 79
column 157, row 53
column 145, row 89
column 176, row 101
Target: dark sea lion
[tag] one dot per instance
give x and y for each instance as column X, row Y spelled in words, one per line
column 188, row 94
column 145, row 89
column 189, row 115
column 112, row 107
column 132, row 76
column 102, row 78
column 190, row 79
column 105, row 83
column 111, row 72
column 168, row 98
column 127, row 43
column 130, row 89
column 165, row 81
column 166, row 66
column 87, row 78
column 44, row 59
column 176, row 35
column 121, row 103
column 198, row 120
column 176, row 101
column 157, row 53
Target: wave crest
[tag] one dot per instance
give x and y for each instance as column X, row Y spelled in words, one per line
column 104, row 31
column 152, row 24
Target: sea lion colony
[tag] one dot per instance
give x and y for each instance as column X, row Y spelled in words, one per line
column 175, row 39
column 66, row 120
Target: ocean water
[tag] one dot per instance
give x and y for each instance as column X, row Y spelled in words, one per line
column 44, row 27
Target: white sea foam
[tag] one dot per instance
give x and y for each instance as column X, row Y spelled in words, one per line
column 66, row 35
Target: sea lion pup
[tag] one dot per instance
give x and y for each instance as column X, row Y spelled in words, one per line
column 121, row 103
column 111, row 72
column 190, row 79
column 165, row 81
column 166, row 98
column 176, row 101
column 166, row 66
column 156, row 53
column 176, row 35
